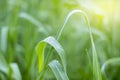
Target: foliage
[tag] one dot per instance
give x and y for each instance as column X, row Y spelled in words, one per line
column 85, row 43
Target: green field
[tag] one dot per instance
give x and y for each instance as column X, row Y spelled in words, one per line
column 59, row 40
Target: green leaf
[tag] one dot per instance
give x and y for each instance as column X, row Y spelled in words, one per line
column 15, row 71
column 96, row 66
column 3, row 64
column 4, row 67
column 33, row 21
column 58, row 70
column 40, row 51
column 113, row 61
column 4, row 32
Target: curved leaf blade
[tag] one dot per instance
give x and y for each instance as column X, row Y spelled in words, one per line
column 58, row 70
column 40, row 51
column 96, row 66
column 113, row 61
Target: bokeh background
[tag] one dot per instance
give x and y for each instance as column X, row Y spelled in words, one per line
column 23, row 23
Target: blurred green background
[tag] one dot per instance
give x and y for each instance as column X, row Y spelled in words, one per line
column 23, row 23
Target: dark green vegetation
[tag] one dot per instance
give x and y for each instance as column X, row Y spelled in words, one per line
column 43, row 39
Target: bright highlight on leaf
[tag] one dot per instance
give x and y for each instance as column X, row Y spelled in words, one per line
column 40, row 51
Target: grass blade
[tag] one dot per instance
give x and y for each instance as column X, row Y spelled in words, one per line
column 15, row 71
column 33, row 21
column 113, row 61
column 58, row 71
column 96, row 67
column 40, row 51
column 5, row 68
column 4, row 32
column 3, row 64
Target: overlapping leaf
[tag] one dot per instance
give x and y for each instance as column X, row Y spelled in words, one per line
column 58, row 70
column 40, row 51
column 4, row 68
column 96, row 67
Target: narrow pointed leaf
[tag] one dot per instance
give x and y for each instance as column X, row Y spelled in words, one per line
column 58, row 70
column 96, row 67
column 33, row 21
column 4, row 32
